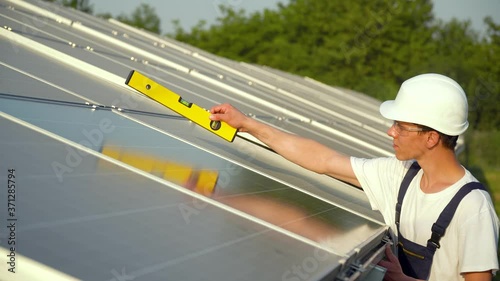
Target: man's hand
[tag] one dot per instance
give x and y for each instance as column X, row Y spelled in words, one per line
column 230, row 115
column 394, row 271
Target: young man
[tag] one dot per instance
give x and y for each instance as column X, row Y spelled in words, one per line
column 430, row 112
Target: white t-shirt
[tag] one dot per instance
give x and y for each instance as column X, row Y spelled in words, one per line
column 470, row 241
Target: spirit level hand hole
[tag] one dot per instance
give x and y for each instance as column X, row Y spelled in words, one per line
column 215, row 125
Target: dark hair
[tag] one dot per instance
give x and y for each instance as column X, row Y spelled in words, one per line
column 448, row 141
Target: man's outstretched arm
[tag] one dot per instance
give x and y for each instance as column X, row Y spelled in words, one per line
column 302, row 151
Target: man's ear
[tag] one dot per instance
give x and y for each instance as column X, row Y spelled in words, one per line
column 433, row 139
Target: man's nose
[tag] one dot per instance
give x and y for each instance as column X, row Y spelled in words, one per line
column 392, row 132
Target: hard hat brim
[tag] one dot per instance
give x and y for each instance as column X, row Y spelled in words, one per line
column 389, row 110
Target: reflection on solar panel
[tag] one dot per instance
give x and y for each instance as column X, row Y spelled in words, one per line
column 102, row 183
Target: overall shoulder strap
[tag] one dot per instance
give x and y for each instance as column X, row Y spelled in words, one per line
column 444, row 219
column 410, row 174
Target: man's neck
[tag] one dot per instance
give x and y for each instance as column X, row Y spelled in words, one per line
column 441, row 170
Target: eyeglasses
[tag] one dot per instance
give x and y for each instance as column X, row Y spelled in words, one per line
column 404, row 131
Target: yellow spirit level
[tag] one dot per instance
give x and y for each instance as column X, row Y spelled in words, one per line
column 176, row 103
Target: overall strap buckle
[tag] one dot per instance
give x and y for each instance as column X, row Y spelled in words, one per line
column 437, row 233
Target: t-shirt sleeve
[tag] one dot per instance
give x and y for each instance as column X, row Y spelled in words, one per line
column 380, row 179
column 478, row 235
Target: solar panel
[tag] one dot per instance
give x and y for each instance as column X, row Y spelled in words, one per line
column 113, row 186
column 97, row 220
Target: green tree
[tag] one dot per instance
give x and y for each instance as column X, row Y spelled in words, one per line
column 106, row 15
column 485, row 86
column 145, row 17
column 370, row 46
column 461, row 54
column 81, row 5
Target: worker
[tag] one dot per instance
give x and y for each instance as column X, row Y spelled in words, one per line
column 443, row 220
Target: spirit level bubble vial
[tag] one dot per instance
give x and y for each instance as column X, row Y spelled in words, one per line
column 176, row 103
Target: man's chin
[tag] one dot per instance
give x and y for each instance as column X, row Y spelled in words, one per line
column 402, row 157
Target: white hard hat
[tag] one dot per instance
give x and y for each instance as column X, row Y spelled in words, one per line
column 432, row 100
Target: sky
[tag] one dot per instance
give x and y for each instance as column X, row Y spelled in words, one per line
column 190, row 12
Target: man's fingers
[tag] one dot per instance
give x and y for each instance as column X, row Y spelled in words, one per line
column 388, row 253
column 216, row 117
column 215, row 109
column 221, row 108
column 384, row 264
column 213, row 117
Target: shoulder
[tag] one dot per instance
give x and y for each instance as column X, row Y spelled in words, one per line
column 477, row 196
column 380, row 175
column 476, row 203
column 384, row 164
